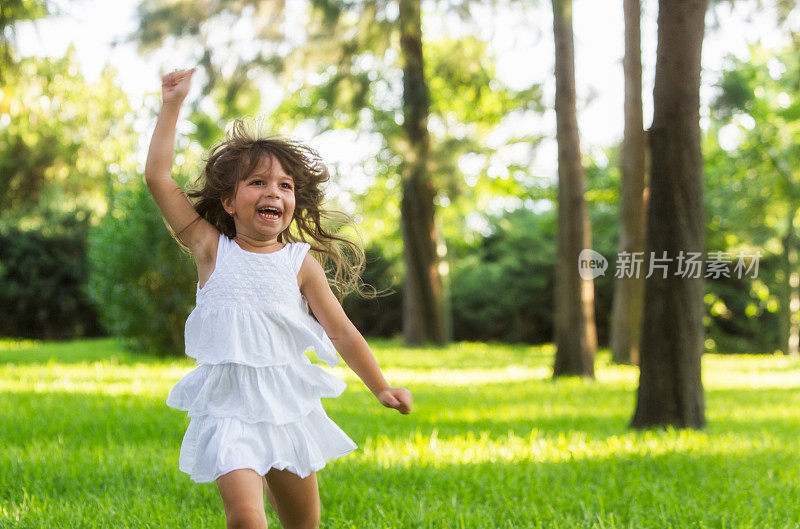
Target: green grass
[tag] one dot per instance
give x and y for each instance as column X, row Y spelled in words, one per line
column 87, row 441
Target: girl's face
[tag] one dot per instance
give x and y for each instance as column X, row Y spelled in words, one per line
column 264, row 203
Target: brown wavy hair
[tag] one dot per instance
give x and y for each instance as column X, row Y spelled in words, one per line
column 233, row 158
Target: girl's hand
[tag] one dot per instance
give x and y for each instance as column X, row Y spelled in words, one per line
column 175, row 85
column 397, row 398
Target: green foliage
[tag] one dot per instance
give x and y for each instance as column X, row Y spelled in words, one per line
column 140, row 279
column 236, row 98
column 18, row 10
column 741, row 313
column 462, row 80
column 484, row 415
column 63, row 141
column 230, row 75
column 504, row 290
column 603, row 181
column 43, row 274
column 360, row 92
column 755, row 182
column 11, row 12
column 468, row 106
column 752, row 194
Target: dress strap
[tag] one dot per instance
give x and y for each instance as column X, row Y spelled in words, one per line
column 297, row 254
column 223, row 246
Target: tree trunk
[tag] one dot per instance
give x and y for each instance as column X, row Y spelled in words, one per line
column 422, row 301
column 790, row 302
column 626, row 314
column 576, row 337
column 670, row 387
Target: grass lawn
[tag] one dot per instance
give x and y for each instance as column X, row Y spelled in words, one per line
column 87, row 441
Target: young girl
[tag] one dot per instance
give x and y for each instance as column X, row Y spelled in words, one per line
column 256, row 421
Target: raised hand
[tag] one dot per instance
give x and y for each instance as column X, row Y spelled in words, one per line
column 175, row 85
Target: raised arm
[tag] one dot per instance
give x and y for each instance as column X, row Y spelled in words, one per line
column 201, row 237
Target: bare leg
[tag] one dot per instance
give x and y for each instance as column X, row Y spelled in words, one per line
column 270, row 497
column 243, row 498
column 296, row 500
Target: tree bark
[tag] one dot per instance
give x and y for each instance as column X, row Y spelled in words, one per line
column 626, row 315
column 576, row 336
column 670, row 386
column 422, row 301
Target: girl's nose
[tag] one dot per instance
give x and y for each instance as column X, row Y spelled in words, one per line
column 271, row 190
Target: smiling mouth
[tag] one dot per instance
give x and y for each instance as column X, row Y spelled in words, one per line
column 269, row 214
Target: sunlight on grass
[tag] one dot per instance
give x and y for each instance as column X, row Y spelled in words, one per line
column 511, row 448
column 13, row 344
column 97, row 377
column 493, row 441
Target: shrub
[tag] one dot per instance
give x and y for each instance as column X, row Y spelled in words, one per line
column 43, row 275
column 142, row 282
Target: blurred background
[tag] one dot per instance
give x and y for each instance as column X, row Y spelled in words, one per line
column 84, row 251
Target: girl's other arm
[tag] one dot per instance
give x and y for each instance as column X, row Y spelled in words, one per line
column 201, row 237
column 346, row 338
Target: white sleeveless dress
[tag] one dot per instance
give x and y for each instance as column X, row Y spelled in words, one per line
column 254, row 399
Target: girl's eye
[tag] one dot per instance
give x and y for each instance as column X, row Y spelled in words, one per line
column 258, row 182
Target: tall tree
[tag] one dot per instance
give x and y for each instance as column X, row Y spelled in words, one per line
column 576, row 337
column 626, row 316
column 423, row 316
column 670, row 387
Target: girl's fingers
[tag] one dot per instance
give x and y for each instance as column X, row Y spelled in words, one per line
column 179, row 73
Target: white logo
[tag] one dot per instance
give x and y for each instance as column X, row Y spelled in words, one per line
column 591, row 264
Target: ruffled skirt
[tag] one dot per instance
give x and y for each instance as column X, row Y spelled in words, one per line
column 259, row 418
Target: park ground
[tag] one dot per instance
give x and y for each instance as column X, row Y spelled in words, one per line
column 86, row 440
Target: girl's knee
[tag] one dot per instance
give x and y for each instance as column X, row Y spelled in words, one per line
column 246, row 518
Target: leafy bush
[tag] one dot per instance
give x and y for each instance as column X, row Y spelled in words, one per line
column 744, row 313
column 43, row 274
column 142, row 282
column 504, row 291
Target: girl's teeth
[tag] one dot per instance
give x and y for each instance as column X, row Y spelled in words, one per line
column 270, row 216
